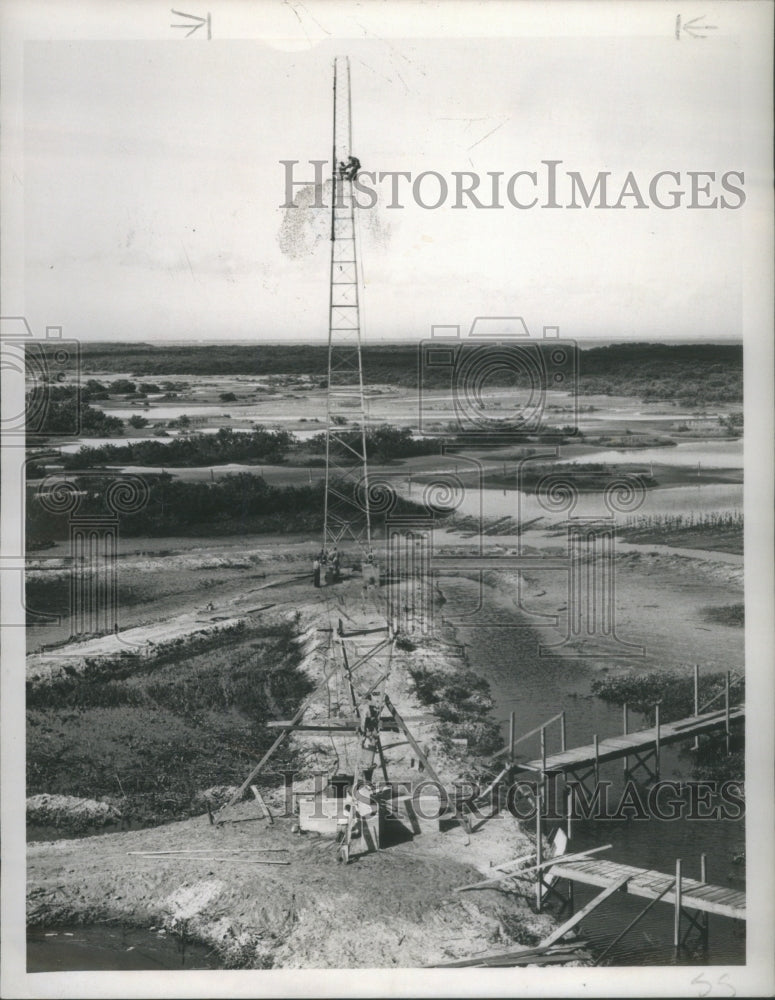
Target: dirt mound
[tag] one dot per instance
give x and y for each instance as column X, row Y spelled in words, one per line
column 265, row 896
column 392, row 908
column 67, row 810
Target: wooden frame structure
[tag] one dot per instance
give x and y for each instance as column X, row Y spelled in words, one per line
column 371, row 715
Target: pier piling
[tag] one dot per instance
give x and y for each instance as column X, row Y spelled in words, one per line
column 726, row 710
column 539, row 844
column 696, row 745
column 704, row 918
column 597, row 759
column 625, row 729
column 677, row 913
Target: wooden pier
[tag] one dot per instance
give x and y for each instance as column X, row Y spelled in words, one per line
column 649, row 884
column 693, row 900
column 637, row 744
column 640, row 749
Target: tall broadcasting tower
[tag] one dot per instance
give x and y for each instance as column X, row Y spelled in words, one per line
column 346, row 514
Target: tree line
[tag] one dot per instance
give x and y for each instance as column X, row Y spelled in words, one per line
column 240, row 504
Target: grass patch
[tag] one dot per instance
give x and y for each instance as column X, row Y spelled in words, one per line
column 714, row 531
column 675, row 693
column 461, row 700
column 725, row 614
column 155, row 733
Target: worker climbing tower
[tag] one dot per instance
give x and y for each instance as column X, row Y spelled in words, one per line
column 346, row 518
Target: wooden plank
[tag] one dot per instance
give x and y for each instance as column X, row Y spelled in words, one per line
column 514, row 861
column 202, row 857
column 731, row 893
column 207, row 850
column 644, row 739
column 340, row 720
column 415, row 746
column 563, row 858
column 524, row 871
column 516, row 955
column 260, row 799
column 606, row 871
column 705, row 892
column 585, row 911
column 721, row 896
column 656, row 883
column 735, row 901
column 304, row 727
column 731, row 904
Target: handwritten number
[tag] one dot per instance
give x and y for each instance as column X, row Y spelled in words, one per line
column 722, row 981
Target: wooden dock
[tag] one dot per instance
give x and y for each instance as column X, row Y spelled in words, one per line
column 650, row 884
column 632, row 744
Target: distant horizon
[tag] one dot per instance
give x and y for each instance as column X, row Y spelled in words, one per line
column 583, row 342
column 145, row 209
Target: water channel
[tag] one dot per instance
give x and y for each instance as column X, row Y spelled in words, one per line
column 536, row 688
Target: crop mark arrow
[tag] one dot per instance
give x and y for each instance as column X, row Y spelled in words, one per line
column 692, row 28
column 195, row 27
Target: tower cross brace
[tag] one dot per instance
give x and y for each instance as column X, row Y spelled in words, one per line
column 346, row 517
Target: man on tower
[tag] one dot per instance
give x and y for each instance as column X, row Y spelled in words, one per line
column 349, row 171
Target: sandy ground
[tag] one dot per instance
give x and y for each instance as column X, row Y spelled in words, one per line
column 392, row 908
column 660, row 594
column 660, row 597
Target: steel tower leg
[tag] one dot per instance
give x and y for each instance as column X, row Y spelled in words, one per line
column 346, row 513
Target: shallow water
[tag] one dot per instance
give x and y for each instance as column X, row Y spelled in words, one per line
column 536, row 688
column 708, row 454
column 42, row 832
column 495, row 503
column 94, row 948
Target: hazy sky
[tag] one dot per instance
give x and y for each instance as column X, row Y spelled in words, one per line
column 152, row 185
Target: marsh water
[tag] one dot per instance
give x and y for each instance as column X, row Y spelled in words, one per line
column 104, row 948
column 537, row 688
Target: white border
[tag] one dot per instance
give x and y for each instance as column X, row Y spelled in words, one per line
column 130, row 19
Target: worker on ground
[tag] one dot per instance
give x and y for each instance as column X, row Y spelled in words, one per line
column 316, row 571
column 370, row 723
